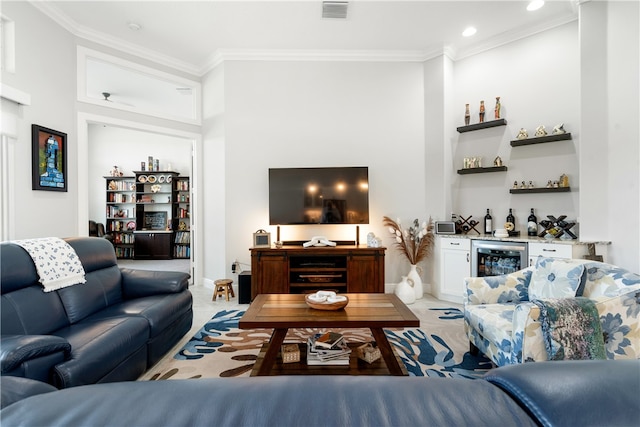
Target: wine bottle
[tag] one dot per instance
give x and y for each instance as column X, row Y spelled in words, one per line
column 488, row 226
column 532, row 224
column 511, row 221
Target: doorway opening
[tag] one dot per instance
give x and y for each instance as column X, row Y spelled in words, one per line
column 105, row 143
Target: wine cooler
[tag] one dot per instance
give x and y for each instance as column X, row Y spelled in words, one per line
column 493, row 257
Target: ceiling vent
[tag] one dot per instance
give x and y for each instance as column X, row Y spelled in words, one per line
column 335, row 9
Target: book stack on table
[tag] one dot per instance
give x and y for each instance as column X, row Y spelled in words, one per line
column 329, row 348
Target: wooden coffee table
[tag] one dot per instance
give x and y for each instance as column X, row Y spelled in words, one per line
column 283, row 311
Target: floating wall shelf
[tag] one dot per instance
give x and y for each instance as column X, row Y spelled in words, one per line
column 483, row 125
column 540, row 139
column 482, row 170
column 540, row 190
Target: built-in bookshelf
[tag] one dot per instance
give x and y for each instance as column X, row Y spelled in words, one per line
column 148, row 215
column 121, row 214
column 182, row 223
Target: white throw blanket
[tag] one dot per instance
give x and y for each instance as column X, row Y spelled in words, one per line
column 56, row 262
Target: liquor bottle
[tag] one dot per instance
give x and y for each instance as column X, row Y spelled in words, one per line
column 488, row 226
column 510, row 217
column 532, row 224
column 511, row 221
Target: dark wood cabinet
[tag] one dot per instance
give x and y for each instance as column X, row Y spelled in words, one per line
column 294, row 269
column 150, row 245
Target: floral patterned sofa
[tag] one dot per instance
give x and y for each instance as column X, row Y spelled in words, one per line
column 503, row 313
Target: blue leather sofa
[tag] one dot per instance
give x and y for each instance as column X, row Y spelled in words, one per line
column 111, row 328
column 562, row 393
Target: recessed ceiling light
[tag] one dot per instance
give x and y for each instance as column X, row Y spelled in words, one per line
column 133, row 26
column 535, row 5
column 469, row 31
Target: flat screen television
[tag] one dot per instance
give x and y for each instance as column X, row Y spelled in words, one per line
column 333, row 195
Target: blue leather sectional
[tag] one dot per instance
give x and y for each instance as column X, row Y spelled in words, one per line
column 111, row 328
column 560, row 393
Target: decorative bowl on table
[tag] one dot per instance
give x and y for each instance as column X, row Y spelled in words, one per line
column 326, row 300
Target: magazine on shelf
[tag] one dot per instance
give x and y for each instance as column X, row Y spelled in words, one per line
column 327, row 340
column 314, row 358
column 336, row 355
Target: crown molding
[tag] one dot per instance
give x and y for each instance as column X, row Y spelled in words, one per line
column 50, row 10
column 222, row 55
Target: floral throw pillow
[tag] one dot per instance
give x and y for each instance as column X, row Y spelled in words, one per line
column 556, row 278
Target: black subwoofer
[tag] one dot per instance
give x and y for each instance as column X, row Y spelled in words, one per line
column 244, row 287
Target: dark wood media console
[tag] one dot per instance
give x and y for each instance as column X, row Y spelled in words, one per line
column 295, row 269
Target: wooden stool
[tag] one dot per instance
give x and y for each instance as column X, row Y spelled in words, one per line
column 223, row 287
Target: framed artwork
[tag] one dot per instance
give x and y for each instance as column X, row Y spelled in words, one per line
column 48, row 159
column 261, row 239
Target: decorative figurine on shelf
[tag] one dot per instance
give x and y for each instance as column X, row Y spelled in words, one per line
column 549, row 185
column 515, row 184
column 564, row 180
column 481, row 111
column 472, row 162
column 116, row 172
column 373, row 241
column 467, row 115
column 523, row 185
column 522, row 134
column 497, row 161
column 530, row 184
column 496, row 110
column 541, row 131
column 555, row 184
column 559, row 129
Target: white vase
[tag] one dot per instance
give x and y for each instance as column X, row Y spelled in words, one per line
column 404, row 291
column 414, row 275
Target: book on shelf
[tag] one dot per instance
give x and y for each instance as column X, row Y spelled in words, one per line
column 327, row 340
column 338, row 354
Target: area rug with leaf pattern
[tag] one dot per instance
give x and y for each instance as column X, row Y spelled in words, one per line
column 439, row 348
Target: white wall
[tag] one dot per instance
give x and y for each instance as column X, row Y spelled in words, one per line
column 623, row 83
column 215, row 259
column 610, row 161
column 45, row 69
column 289, row 114
column 126, row 148
column 537, row 79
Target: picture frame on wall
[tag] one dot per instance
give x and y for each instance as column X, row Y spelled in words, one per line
column 48, row 159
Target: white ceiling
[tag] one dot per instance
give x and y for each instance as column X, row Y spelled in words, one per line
column 192, row 35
